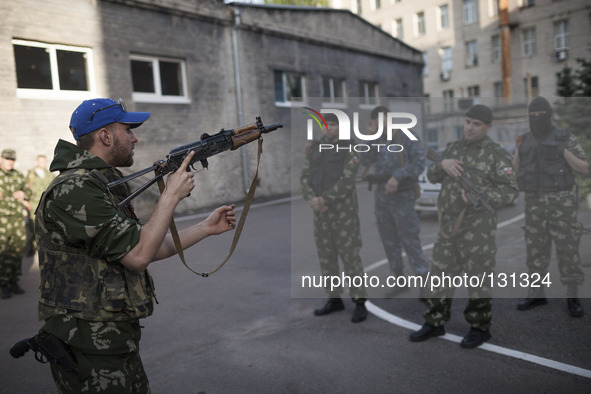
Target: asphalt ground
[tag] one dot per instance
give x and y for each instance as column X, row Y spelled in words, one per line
column 247, row 328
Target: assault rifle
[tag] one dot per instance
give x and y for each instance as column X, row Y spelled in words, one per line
column 47, row 348
column 207, row 146
column 376, row 179
column 472, row 192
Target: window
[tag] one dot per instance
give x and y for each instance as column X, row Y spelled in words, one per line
column 444, row 17
column 528, row 41
column 158, row 80
column 472, row 53
column 498, row 91
column 52, row 71
column 289, row 88
column 420, row 18
column 448, row 100
column 426, row 65
column 334, row 90
column 378, row 4
column 369, row 92
column 493, row 8
column 474, row 91
column 561, row 35
column 528, row 3
column 446, row 59
column 459, row 132
column 432, row 138
column 470, row 12
column 496, row 48
column 397, row 28
column 531, row 86
column 359, row 7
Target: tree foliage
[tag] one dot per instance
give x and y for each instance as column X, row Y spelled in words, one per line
column 574, row 90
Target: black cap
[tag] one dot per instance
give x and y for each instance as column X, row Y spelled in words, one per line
column 480, row 112
column 330, row 117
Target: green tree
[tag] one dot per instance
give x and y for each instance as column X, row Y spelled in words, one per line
column 572, row 108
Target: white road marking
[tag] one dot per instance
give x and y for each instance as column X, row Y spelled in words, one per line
column 398, row 321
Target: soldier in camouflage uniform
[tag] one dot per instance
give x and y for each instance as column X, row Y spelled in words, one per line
column 38, row 179
column 13, row 194
column 545, row 161
column 93, row 255
column 398, row 222
column 466, row 240
column 328, row 184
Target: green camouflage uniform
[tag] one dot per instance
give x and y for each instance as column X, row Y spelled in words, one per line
column 37, row 184
column 552, row 216
column 13, row 233
column 337, row 230
column 87, row 298
column 472, row 248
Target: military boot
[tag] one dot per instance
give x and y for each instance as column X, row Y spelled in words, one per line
column 535, row 297
column 332, row 305
column 572, row 301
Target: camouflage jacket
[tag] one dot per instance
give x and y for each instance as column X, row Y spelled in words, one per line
column 487, row 165
column 342, row 195
column 82, row 235
column 10, row 182
column 38, row 185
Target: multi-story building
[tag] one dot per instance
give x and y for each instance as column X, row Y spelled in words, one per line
column 197, row 66
column 499, row 52
column 464, row 49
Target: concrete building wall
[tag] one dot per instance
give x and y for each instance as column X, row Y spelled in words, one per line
column 201, row 35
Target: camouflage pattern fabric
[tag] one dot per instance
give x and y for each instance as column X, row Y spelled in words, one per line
column 337, row 230
column 12, row 226
column 107, row 354
column 552, row 217
column 397, row 220
column 81, row 215
column 472, row 249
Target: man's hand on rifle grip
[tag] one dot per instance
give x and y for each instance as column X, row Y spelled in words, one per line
column 180, row 183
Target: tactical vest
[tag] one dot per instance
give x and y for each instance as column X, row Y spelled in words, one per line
column 542, row 167
column 83, row 286
column 327, row 168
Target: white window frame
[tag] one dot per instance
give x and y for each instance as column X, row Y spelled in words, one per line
column 365, row 101
column 495, row 43
column 561, row 35
column 398, row 29
column 331, row 94
column 470, row 8
column 443, row 18
column 528, row 41
column 157, row 96
column 56, row 93
column 420, row 23
column 447, row 59
column 286, row 102
column 472, row 53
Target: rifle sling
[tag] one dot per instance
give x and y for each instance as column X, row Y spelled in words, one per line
column 249, row 198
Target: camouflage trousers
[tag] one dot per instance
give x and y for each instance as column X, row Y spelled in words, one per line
column 107, row 354
column 337, row 234
column 552, row 217
column 13, row 236
column 399, row 228
column 471, row 251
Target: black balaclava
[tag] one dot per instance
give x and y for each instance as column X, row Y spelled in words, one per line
column 540, row 125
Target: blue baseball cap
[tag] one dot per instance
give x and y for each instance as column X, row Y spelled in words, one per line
column 93, row 114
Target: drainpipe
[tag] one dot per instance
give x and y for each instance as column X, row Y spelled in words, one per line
column 505, row 50
column 238, row 83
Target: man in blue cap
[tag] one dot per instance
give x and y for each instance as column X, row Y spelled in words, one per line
column 93, row 255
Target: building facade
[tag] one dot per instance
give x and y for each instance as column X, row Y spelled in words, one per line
column 197, row 66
